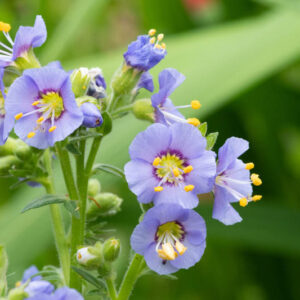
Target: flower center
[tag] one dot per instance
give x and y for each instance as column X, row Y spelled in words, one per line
column 49, row 106
column 169, row 236
column 170, row 168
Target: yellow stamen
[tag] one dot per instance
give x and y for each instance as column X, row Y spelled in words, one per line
column 40, row 120
column 169, row 251
column 18, row 116
column 18, row 283
column 189, row 188
column 163, row 45
column 52, row 128
column 152, row 40
column 156, row 161
column 243, row 202
column 4, row 27
column 151, row 32
column 193, row 121
column 162, row 254
column 30, row 134
column 188, row 169
column 158, row 189
column 157, row 46
column 256, row 197
column 35, row 103
column 249, row 166
column 79, row 256
column 195, row 104
column 176, row 172
column 84, row 87
column 160, row 37
column 255, row 179
column 180, row 247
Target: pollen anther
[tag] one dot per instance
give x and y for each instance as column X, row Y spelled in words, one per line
column 176, row 172
column 30, row 135
column 40, row 120
column 255, row 179
column 18, row 116
column 160, row 37
column 189, row 188
column 52, row 128
column 151, row 32
column 256, row 198
column 35, row 103
column 158, row 189
column 249, row 166
column 152, row 40
column 4, row 27
column 193, row 121
column 156, row 161
column 188, row 169
column 195, row 104
column 243, row 202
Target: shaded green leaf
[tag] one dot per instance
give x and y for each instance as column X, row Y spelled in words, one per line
column 43, row 201
column 84, row 136
column 71, row 207
column 211, row 140
column 73, row 148
column 109, row 169
column 203, row 128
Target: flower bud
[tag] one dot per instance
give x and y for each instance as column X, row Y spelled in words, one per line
column 91, row 115
column 17, row 294
column 80, row 79
column 8, row 147
column 97, row 85
column 143, row 110
column 90, row 257
column 111, row 249
column 94, row 187
column 104, row 204
column 8, row 162
column 22, row 150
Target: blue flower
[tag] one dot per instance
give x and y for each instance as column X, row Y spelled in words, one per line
column 164, row 110
column 97, row 84
column 170, row 165
column 39, row 287
column 29, row 274
column 42, row 102
column 170, row 238
column 233, row 181
column 26, row 38
column 145, row 82
column 66, row 293
column 91, row 115
column 144, row 53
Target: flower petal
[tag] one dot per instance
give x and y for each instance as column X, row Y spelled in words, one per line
column 65, row 293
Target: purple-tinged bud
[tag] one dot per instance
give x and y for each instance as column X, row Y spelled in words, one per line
column 91, row 115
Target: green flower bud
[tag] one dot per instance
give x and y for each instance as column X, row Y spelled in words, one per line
column 143, row 110
column 17, row 294
column 104, row 204
column 111, row 249
column 8, row 147
column 94, row 187
column 90, row 257
column 22, row 150
column 80, row 79
column 105, row 270
column 8, row 162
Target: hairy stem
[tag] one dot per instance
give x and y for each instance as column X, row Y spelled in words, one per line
column 57, row 222
column 111, row 289
column 131, row 276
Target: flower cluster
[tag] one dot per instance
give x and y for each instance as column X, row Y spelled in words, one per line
column 34, row 287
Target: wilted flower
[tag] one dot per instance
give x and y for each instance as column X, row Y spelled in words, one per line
column 145, row 82
column 26, row 38
column 233, row 182
column 47, row 111
column 146, row 52
column 170, row 238
column 170, row 164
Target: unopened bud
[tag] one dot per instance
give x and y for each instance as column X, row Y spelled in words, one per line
column 94, row 187
column 80, row 80
column 8, row 147
column 17, row 294
column 111, row 249
column 90, row 257
column 8, row 162
column 104, row 204
column 91, row 115
column 22, row 150
column 143, row 110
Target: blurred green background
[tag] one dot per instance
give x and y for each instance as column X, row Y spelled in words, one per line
column 242, row 61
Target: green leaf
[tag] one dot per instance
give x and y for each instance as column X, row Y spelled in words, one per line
column 3, row 270
column 71, row 207
column 98, row 283
column 43, row 201
column 203, row 128
column 84, row 136
column 211, row 140
column 73, row 148
column 109, row 169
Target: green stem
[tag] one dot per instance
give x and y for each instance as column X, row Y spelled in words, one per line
column 75, row 280
column 92, row 156
column 131, row 276
column 57, row 222
column 111, row 289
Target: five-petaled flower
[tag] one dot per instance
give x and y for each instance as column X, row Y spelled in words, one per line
column 146, row 52
column 233, row 181
column 164, row 110
column 42, row 102
column 170, row 238
column 170, row 164
column 26, row 38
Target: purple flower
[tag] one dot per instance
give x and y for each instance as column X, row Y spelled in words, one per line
column 26, row 38
column 66, row 293
column 91, row 115
column 170, row 165
column 232, row 183
column 146, row 82
column 29, row 274
column 170, row 238
column 97, row 85
column 144, row 53
column 39, row 287
column 42, row 102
